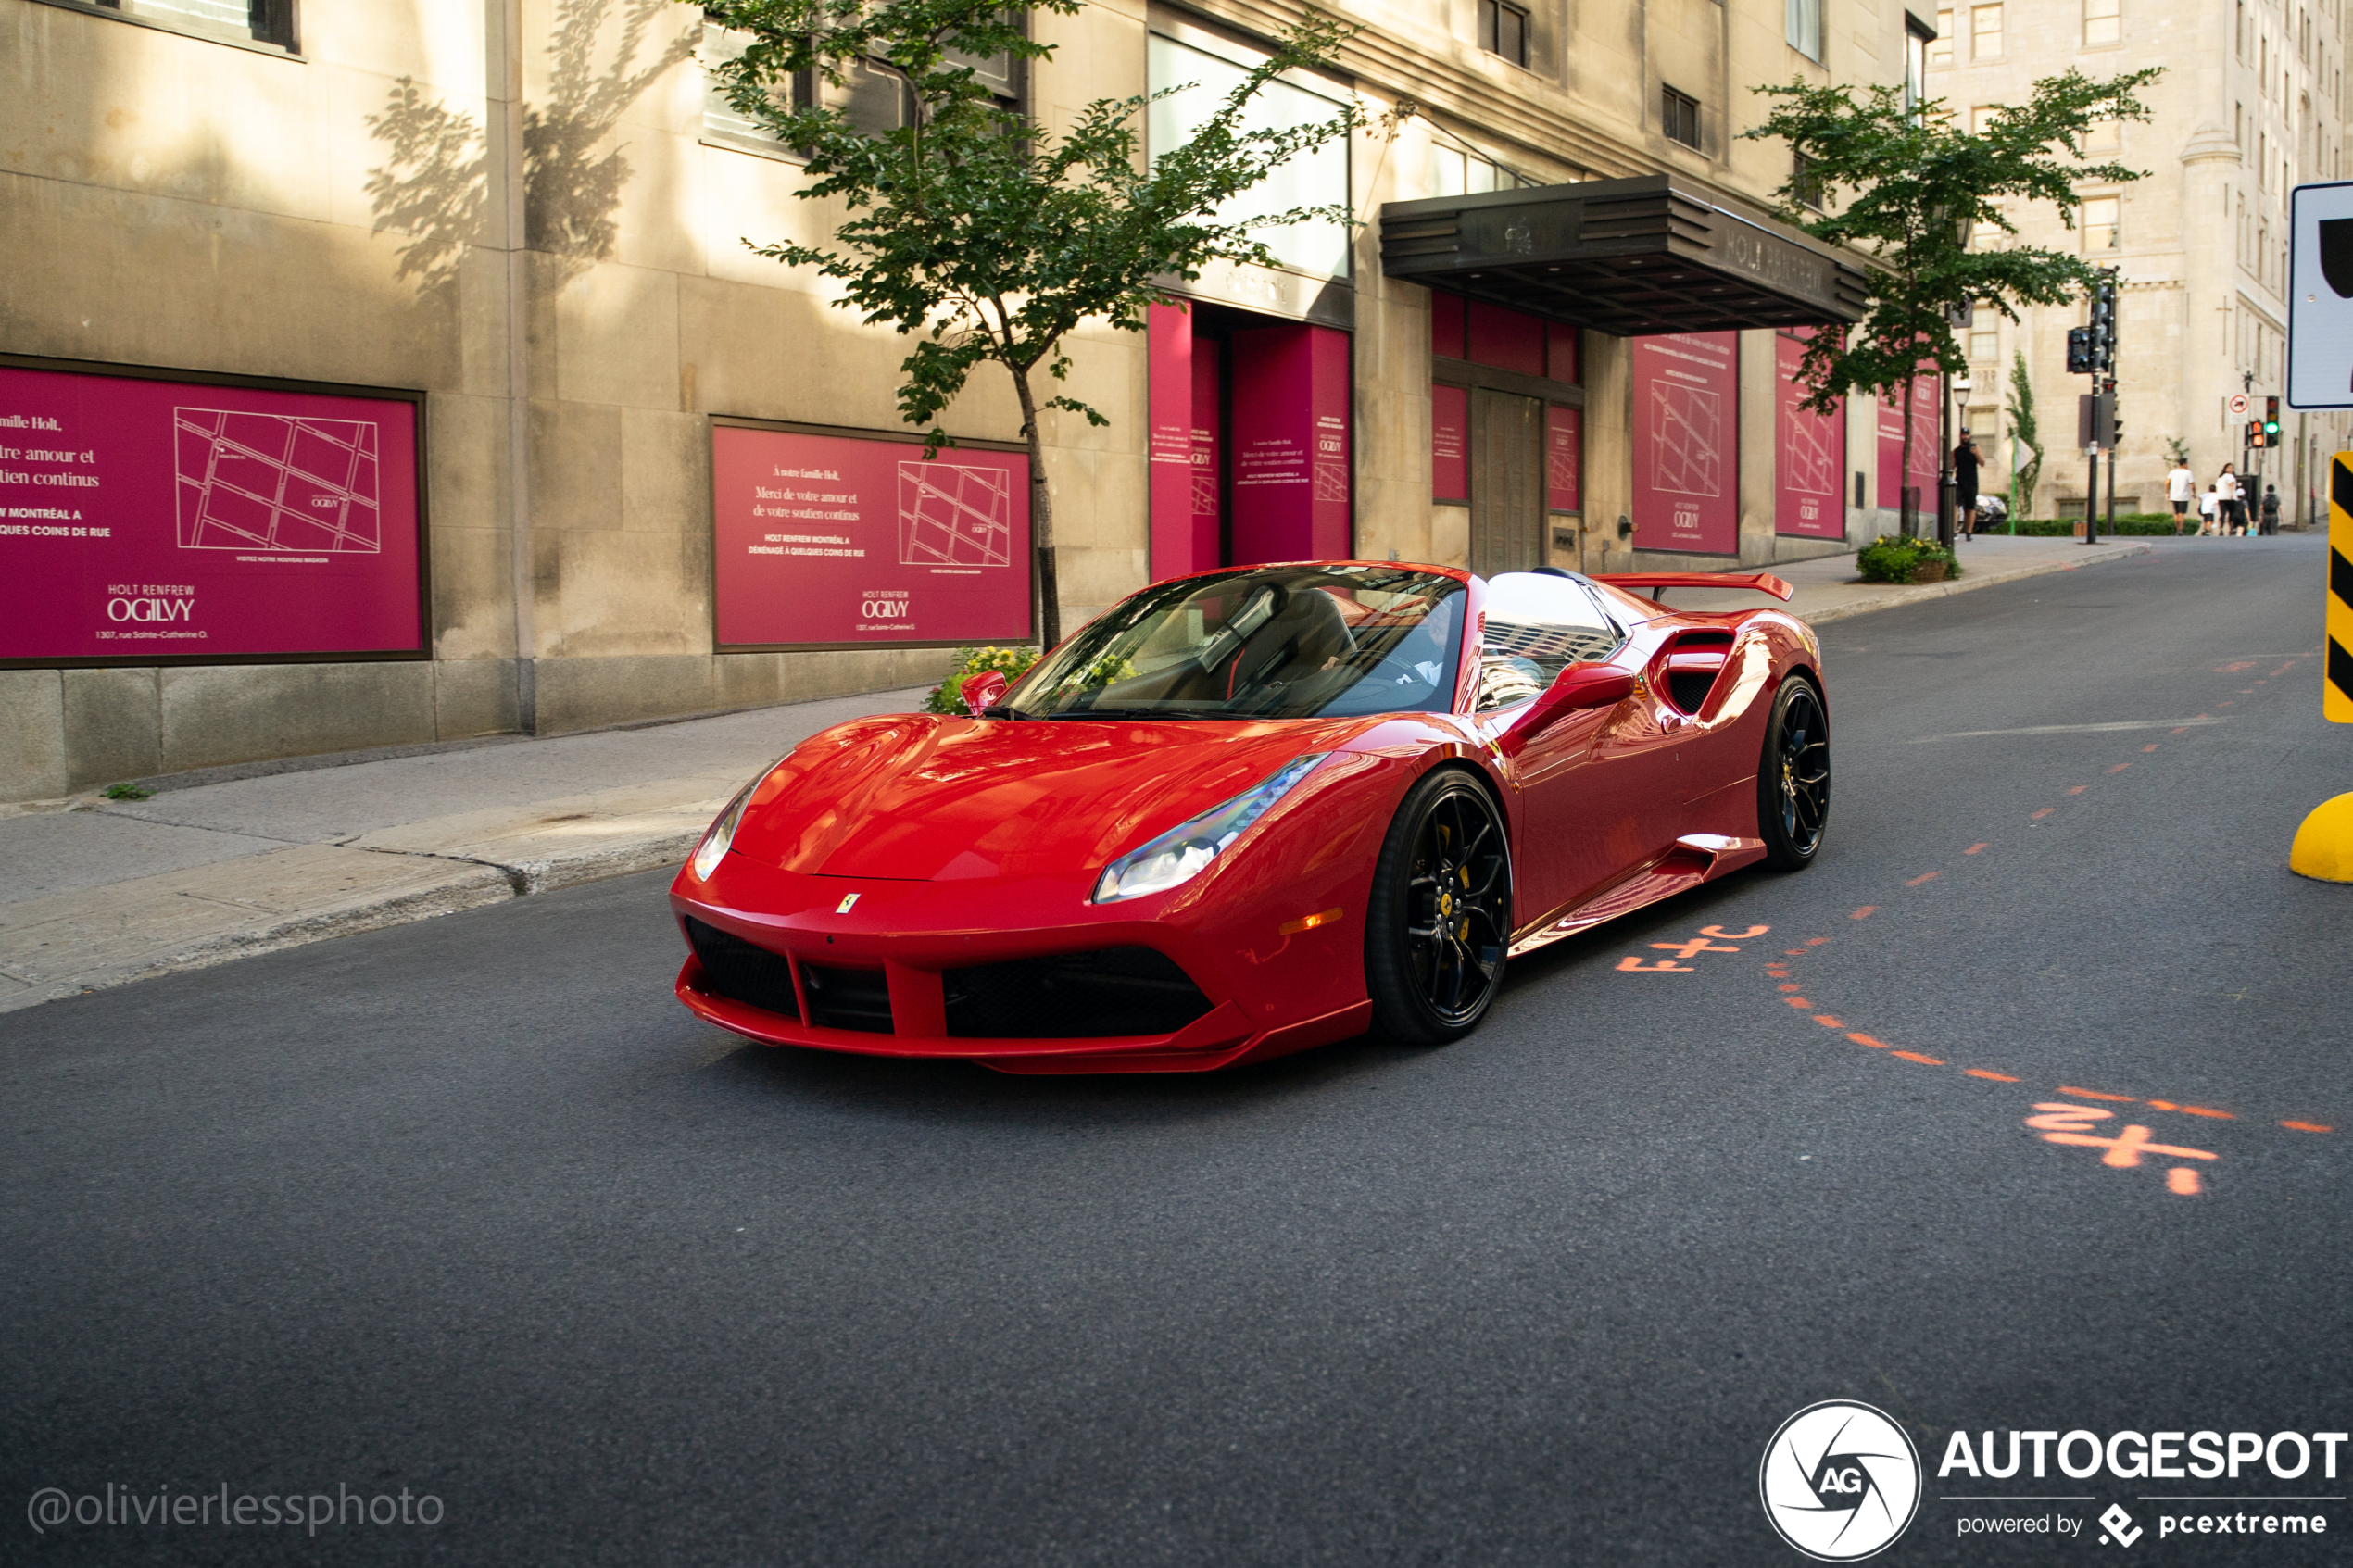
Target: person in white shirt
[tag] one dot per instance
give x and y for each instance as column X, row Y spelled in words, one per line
column 2181, row 487
column 2229, row 517
column 2209, row 507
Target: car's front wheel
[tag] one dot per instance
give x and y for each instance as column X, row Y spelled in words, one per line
column 1441, row 914
column 1794, row 777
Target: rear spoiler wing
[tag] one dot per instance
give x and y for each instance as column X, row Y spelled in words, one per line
column 1659, row 582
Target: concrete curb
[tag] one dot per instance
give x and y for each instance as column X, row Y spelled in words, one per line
column 1919, row 593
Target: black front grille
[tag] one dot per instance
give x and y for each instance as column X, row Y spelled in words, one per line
column 741, row 972
column 847, row 998
column 1073, row 995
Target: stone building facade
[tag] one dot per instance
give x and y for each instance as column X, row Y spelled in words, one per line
column 2251, row 105
column 520, row 227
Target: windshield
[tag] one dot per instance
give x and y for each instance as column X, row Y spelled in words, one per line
column 1276, row 641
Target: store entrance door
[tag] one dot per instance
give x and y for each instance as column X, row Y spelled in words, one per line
column 1507, row 482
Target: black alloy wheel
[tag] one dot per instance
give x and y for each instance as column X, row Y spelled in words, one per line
column 1441, row 912
column 1794, row 777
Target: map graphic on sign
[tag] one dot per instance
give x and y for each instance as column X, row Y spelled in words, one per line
column 275, row 482
column 1687, row 442
column 949, row 515
column 1808, row 466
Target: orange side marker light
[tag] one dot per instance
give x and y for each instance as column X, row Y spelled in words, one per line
column 1981, row 1072
column 1309, row 922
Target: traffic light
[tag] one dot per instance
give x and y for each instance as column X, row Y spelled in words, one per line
column 2254, row 434
column 2271, row 422
column 2082, row 353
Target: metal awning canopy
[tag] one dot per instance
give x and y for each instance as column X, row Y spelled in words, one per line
column 1627, row 257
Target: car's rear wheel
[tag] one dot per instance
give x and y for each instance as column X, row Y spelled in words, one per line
column 1441, row 915
column 1794, row 777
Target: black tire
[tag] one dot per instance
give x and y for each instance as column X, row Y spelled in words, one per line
column 1440, row 917
column 1794, row 777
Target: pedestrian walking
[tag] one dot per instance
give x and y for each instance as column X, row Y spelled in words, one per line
column 1965, row 460
column 2181, row 488
column 2270, row 509
column 2209, row 508
column 2230, row 513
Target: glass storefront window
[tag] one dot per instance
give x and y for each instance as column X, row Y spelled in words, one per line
column 1313, row 179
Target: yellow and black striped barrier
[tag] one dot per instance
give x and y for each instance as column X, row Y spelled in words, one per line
column 2323, row 847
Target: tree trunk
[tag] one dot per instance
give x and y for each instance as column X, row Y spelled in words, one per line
column 1905, row 517
column 1041, row 518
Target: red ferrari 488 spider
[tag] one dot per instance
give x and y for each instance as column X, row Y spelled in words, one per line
column 1247, row 813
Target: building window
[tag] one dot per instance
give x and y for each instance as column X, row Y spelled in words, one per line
column 1455, row 173
column 2103, row 23
column 2105, row 136
column 2099, row 222
column 1679, row 116
column 1985, row 32
column 1502, row 30
column 1915, row 62
column 1802, row 21
column 1980, row 117
column 270, row 22
column 1984, row 344
column 1940, row 53
column 2238, row 32
column 1196, row 84
column 874, row 98
column 1804, row 183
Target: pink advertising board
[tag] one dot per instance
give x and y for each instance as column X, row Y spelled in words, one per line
column 1809, row 481
column 828, row 540
column 1564, row 458
column 1175, row 546
column 1925, row 392
column 150, row 522
column 1291, row 445
column 1687, row 443
column 1448, row 443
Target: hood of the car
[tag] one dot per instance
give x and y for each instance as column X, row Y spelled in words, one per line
column 922, row 798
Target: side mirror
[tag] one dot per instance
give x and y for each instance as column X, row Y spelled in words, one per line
column 1587, row 685
column 983, row 690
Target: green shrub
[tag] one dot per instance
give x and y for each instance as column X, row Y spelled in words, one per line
column 1893, row 558
column 949, row 697
column 2126, row 523
column 128, row 792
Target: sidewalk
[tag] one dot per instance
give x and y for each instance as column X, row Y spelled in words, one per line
column 97, row 893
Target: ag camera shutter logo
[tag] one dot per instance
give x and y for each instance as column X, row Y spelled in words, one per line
column 1841, row 1481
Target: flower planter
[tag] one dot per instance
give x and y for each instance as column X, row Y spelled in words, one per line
column 1928, row 571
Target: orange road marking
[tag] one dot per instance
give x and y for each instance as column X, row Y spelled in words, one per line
column 1866, row 1040
column 1694, row 946
column 2183, row 1179
column 2308, row 1127
column 2182, row 730
column 2044, row 813
column 2125, row 1149
column 1827, row 1021
column 1815, row 941
column 1915, row 1056
column 2077, row 789
column 1866, row 912
column 2094, row 1093
column 1629, row 964
column 2282, row 670
column 1930, row 876
column 1980, row 1072
column 2151, row 746
column 1797, row 1001
column 1723, row 936
column 1795, row 952
column 2228, row 702
column 1975, row 847
column 1792, row 986
column 2120, row 767
column 2189, row 1109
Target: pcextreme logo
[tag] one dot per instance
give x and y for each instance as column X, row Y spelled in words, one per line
column 1840, row 1481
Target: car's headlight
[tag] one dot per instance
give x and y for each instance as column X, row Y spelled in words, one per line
column 721, row 832
column 1180, row 854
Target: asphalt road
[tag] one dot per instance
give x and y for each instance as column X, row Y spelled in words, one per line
column 473, row 1209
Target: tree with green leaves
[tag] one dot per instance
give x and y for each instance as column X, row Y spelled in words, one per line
column 975, row 230
column 2024, row 432
column 1907, row 188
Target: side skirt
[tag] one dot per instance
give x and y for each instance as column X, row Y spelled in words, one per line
column 1696, row 857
